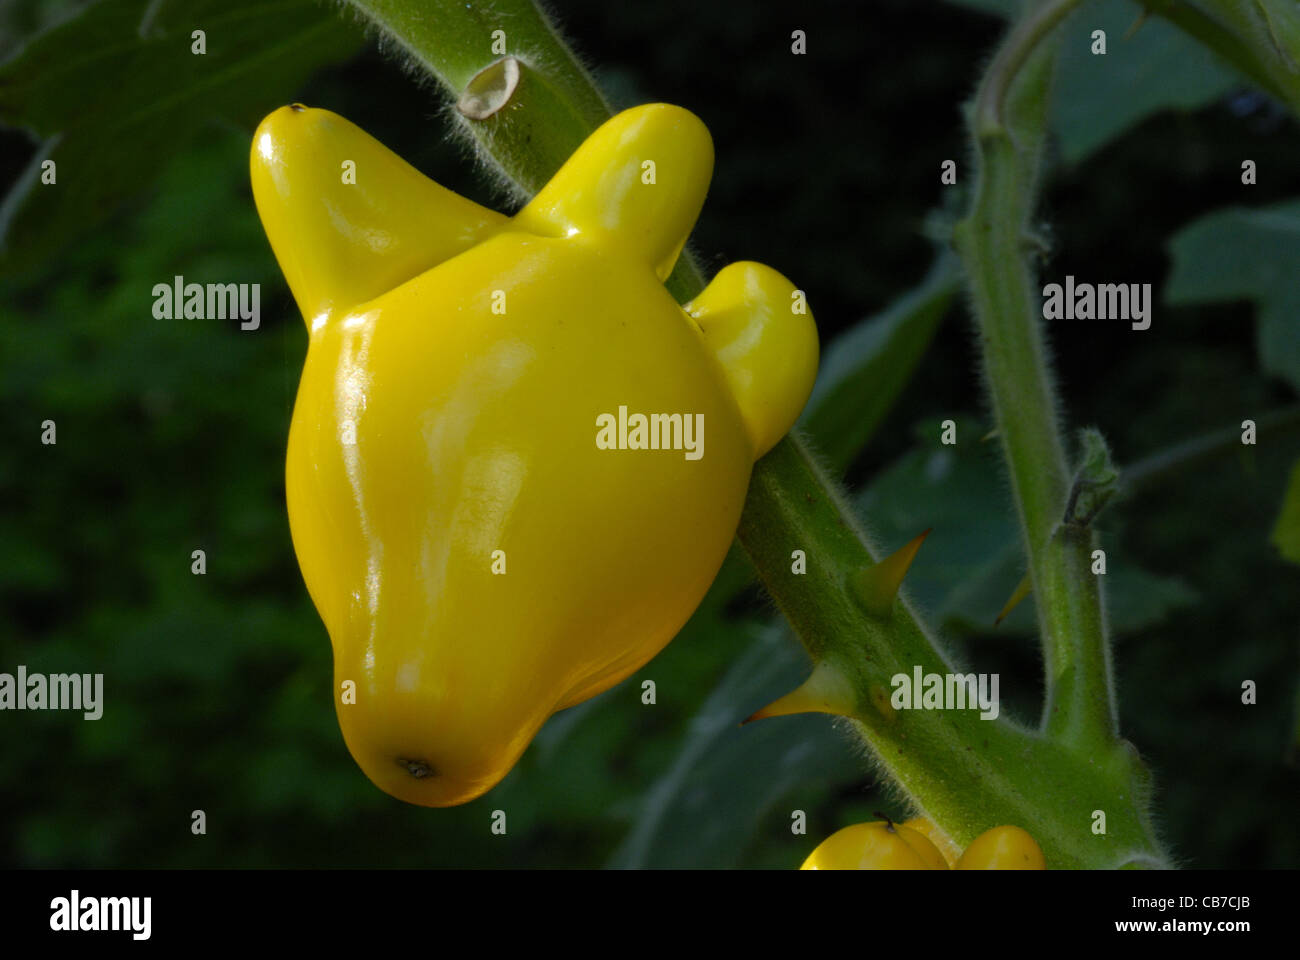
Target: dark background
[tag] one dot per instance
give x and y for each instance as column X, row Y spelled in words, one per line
column 171, row 437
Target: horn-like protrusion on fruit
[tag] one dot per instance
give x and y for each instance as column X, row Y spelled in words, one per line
column 825, row 691
column 876, row 587
column 347, row 218
column 762, row 333
column 638, row 182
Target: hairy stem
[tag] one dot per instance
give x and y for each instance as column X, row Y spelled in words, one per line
column 966, row 771
column 1008, row 123
column 1027, row 35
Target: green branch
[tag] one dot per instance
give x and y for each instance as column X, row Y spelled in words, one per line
column 1027, row 36
column 1008, row 126
column 964, row 772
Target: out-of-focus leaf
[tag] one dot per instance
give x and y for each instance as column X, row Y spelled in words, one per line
column 1286, row 532
column 1098, row 97
column 1282, row 18
column 1136, row 598
column 1139, row 598
column 868, row 366
column 704, row 811
column 974, row 604
column 1247, row 254
column 20, row 19
column 1158, row 67
column 972, row 560
column 115, row 92
column 959, row 492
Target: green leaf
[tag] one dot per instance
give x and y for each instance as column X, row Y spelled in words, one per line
column 707, row 807
column 115, row 92
column 1099, row 97
column 1286, row 532
column 973, row 559
column 868, row 366
column 1247, row 254
column 959, row 493
column 1137, row 597
column 1282, row 19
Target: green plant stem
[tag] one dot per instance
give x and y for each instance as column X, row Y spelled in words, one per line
column 1027, row 35
column 964, row 772
column 453, row 40
column 1008, row 124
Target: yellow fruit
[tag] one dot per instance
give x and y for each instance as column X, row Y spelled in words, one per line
column 880, row 845
column 951, row 852
column 1003, row 848
column 515, row 463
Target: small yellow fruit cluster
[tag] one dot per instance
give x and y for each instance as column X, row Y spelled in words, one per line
column 918, row 845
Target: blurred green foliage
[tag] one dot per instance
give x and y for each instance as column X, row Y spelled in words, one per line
column 171, row 438
column 1253, row 254
column 118, row 90
column 1286, row 532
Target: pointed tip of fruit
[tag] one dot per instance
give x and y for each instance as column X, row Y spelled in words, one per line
column 825, row 691
column 877, row 586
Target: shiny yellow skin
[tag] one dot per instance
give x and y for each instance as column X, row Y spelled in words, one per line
column 1003, row 848
column 430, row 431
column 950, row 851
column 880, row 845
